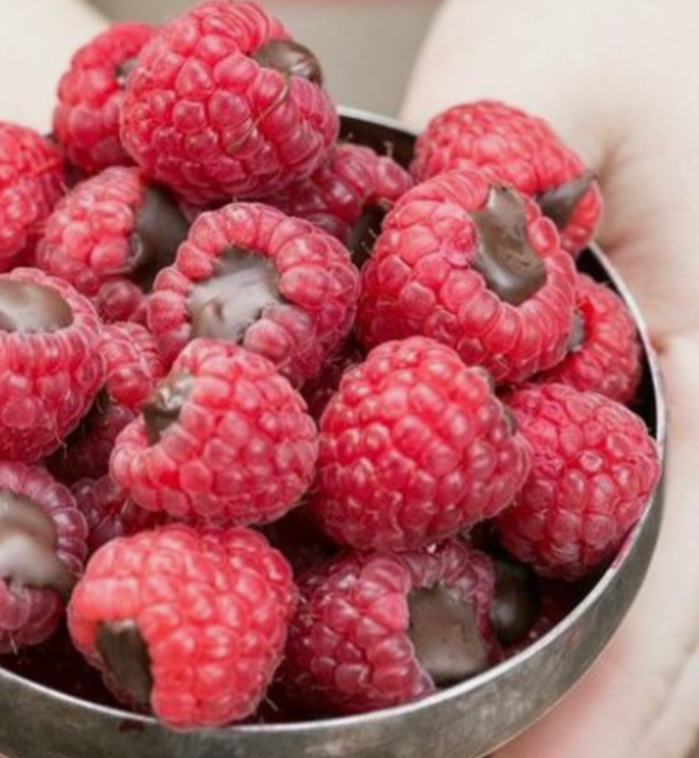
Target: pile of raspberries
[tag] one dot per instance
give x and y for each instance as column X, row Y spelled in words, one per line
column 286, row 427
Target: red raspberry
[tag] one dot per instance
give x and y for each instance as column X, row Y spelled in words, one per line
column 606, row 354
column 414, row 447
column 353, row 185
column 223, row 438
column 247, row 273
column 476, row 267
column 595, row 467
column 510, row 146
column 109, row 238
column 376, row 630
column 50, row 366
column 109, row 512
column 192, row 624
column 42, row 548
column 225, row 104
column 90, row 94
column 31, row 182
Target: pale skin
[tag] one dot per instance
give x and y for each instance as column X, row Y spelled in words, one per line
column 618, row 79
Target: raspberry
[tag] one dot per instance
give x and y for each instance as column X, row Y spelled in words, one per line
column 595, row 467
column 511, row 146
column 376, row 630
column 223, row 438
column 31, row 182
column 476, row 267
column 225, row 104
column 50, row 366
column 414, row 447
column 606, row 356
column 42, row 548
column 109, row 238
column 352, row 186
column 247, row 273
column 191, row 624
column 90, row 94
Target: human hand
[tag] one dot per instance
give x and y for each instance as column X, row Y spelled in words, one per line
column 615, row 78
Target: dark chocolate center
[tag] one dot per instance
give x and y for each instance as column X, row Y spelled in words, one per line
column 516, row 603
column 577, row 334
column 123, row 70
column 228, row 302
column 559, row 203
column 28, row 542
column 121, row 646
column 289, row 57
column 164, row 405
column 504, row 257
column 28, row 307
column 445, row 635
column 159, row 229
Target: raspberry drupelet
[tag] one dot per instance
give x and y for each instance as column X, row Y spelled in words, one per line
column 277, row 285
column 510, row 146
column 90, row 94
column 224, row 438
column 414, row 447
column 110, row 236
column 190, row 625
column 473, row 265
column 224, row 103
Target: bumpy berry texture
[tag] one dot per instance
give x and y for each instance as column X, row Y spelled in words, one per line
column 50, row 365
column 595, row 467
column 509, row 145
column 279, row 286
column 31, row 182
column 42, row 549
column 225, row 104
column 475, row 266
column 110, row 236
column 319, row 391
column 223, row 438
column 414, row 447
column 607, row 356
column 207, row 612
column 350, row 646
column 90, row 94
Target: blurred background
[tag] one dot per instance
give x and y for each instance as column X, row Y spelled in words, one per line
column 366, row 46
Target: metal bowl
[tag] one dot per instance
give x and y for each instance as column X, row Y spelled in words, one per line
column 468, row 720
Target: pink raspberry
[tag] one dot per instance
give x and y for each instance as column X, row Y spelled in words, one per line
column 110, row 236
column 190, row 624
column 50, row 366
column 595, row 468
column 376, row 630
column 247, row 273
column 42, row 549
column 414, row 447
column 509, row 145
column 223, row 438
column 473, row 265
column 31, row 182
column 605, row 355
column 90, row 95
column 224, row 103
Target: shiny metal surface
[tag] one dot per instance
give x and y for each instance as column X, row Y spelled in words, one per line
column 466, row 721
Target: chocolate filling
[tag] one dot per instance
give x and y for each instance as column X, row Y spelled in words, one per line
column 559, row 203
column 164, row 405
column 516, row 603
column 122, row 71
column 445, row 635
column 159, row 229
column 28, row 542
column 578, row 334
column 28, row 307
column 504, row 257
column 121, row 646
column 228, row 302
column 289, row 58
